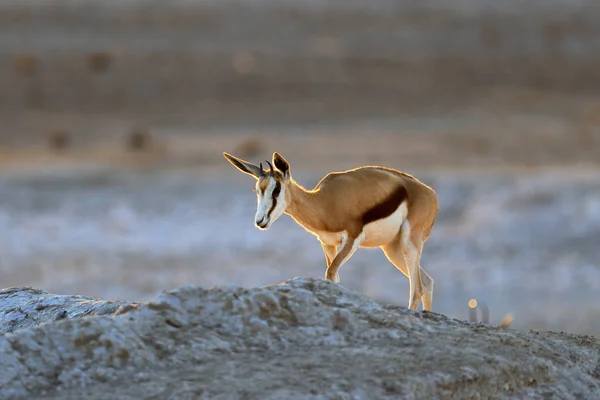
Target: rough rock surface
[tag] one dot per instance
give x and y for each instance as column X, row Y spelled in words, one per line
column 303, row 338
column 28, row 307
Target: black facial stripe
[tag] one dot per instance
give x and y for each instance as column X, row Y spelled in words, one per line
column 276, row 189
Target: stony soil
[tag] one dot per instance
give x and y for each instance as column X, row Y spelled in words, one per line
column 303, row 338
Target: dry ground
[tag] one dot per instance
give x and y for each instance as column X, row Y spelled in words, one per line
column 300, row 339
column 496, row 107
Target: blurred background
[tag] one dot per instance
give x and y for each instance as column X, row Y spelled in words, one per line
column 114, row 116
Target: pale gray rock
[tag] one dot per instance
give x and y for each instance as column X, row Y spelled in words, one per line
column 27, row 307
column 304, row 338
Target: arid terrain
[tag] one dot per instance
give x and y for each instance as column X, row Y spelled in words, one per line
column 113, row 120
column 497, row 109
column 303, row 338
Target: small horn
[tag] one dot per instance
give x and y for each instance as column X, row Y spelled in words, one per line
column 262, row 171
column 272, row 173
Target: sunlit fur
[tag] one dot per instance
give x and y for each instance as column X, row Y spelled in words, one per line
column 368, row 206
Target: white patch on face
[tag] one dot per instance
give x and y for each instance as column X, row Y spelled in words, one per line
column 263, row 219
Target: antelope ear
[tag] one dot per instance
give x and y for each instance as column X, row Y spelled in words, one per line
column 244, row 166
column 282, row 165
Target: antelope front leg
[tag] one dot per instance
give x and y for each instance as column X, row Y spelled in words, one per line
column 349, row 246
column 330, row 252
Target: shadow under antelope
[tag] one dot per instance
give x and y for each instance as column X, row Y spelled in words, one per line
column 369, row 206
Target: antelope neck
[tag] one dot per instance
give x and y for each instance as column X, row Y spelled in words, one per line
column 303, row 207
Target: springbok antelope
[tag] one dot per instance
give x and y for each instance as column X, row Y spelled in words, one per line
column 363, row 207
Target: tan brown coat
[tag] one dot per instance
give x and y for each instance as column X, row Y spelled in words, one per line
column 368, row 206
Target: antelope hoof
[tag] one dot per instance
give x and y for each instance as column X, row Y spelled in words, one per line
column 414, row 302
column 330, row 276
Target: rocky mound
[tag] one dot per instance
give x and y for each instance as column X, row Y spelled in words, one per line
column 303, row 338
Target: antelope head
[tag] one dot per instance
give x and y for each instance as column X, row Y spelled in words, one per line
column 271, row 187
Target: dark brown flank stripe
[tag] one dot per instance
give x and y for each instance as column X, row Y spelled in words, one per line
column 277, row 188
column 387, row 207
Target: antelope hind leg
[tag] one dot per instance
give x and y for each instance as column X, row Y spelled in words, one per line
column 411, row 249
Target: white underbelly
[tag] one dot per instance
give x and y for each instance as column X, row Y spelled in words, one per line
column 383, row 231
column 376, row 233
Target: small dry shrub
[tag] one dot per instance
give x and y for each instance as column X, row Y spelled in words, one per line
column 489, row 36
column 25, row 64
column 139, row 139
column 99, row 62
column 59, row 140
column 251, row 147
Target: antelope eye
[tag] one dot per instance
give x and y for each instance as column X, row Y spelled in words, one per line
column 276, row 191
